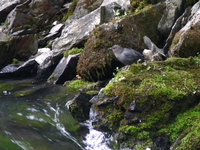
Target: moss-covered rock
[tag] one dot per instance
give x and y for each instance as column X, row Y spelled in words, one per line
column 97, row 62
column 152, row 99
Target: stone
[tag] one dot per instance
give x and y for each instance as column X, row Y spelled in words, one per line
column 6, row 8
column 24, row 46
column 79, row 106
column 172, row 12
column 186, row 41
column 180, row 22
column 65, row 70
column 31, row 15
column 26, row 69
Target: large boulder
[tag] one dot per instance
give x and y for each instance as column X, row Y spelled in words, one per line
column 24, row 46
column 97, row 62
column 186, row 42
column 18, row 47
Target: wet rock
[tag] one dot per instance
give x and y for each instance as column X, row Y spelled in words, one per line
column 79, row 106
column 65, row 70
column 26, row 69
column 186, row 41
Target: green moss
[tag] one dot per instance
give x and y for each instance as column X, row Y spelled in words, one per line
column 78, row 84
column 186, row 127
column 72, row 51
column 7, row 143
column 70, row 11
column 161, row 90
column 137, row 5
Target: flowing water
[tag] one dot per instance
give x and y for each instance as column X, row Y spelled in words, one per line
column 33, row 116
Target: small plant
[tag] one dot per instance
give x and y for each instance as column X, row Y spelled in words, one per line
column 15, row 60
column 72, row 51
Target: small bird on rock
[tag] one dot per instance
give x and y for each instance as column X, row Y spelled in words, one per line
column 126, row 56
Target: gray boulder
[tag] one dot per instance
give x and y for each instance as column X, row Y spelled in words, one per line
column 186, row 41
column 65, row 70
column 6, row 7
column 26, row 69
column 172, row 12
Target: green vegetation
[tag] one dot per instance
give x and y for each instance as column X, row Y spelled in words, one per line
column 15, row 60
column 72, row 51
column 137, row 5
column 163, row 93
column 70, row 11
column 78, row 84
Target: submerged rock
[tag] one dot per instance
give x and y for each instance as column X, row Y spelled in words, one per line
column 79, row 106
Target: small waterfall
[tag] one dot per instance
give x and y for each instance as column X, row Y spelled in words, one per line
column 96, row 140
column 59, row 125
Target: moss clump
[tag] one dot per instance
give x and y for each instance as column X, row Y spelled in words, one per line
column 77, row 84
column 186, row 129
column 159, row 91
column 70, row 11
column 72, row 51
column 137, row 5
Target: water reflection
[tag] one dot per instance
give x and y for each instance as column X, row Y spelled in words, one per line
column 34, row 117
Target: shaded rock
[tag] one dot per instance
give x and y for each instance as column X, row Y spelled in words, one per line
column 97, row 62
column 24, row 46
column 186, row 42
column 18, row 47
column 47, row 66
column 162, row 143
column 172, row 12
column 6, row 55
column 54, row 32
column 26, row 69
column 79, row 106
column 6, row 8
column 180, row 22
column 65, row 70
column 30, row 16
